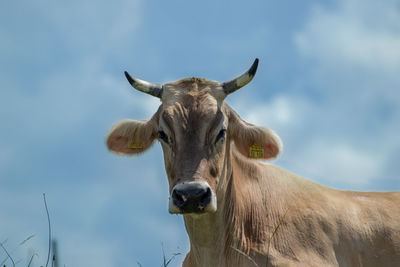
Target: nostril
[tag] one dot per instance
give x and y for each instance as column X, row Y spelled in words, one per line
column 206, row 198
column 178, row 198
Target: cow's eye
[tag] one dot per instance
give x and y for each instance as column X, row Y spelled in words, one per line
column 163, row 136
column 220, row 135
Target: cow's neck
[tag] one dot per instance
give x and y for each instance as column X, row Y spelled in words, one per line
column 205, row 239
column 240, row 224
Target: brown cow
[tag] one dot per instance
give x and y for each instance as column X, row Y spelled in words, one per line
column 240, row 212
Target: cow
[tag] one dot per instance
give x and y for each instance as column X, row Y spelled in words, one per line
column 239, row 211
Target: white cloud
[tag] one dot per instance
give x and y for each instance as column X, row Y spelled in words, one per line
column 340, row 164
column 281, row 113
column 345, row 137
column 356, row 34
column 315, row 150
column 352, row 51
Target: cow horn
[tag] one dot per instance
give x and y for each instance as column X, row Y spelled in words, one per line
column 240, row 81
column 146, row 87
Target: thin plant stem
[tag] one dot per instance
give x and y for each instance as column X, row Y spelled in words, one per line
column 247, row 256
column 48, row 220
column 30, row 261
column 5, row 250
column 273, row 234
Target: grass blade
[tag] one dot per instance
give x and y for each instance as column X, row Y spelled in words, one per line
column 9, row 256
column 30, row 261
column 247, row 256
column 48, row 220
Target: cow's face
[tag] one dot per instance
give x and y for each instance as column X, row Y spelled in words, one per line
column 192, row 130
column 195, row 128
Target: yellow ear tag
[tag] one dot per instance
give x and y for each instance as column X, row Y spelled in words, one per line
column 133, row 145
column 256, row 151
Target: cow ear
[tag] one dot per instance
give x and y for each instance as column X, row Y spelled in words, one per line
column 253, row 141
column 130, row 137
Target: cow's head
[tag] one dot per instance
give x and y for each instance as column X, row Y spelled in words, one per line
column 195, row 128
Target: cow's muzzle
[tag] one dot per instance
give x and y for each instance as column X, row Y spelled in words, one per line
column 192, row 197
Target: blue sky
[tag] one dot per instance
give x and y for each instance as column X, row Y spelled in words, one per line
column 328, row 83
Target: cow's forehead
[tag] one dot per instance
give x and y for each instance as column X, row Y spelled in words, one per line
column 190, row 90
column 192, row 102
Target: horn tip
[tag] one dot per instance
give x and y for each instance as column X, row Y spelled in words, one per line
column 129, row 78
column 253, row 68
